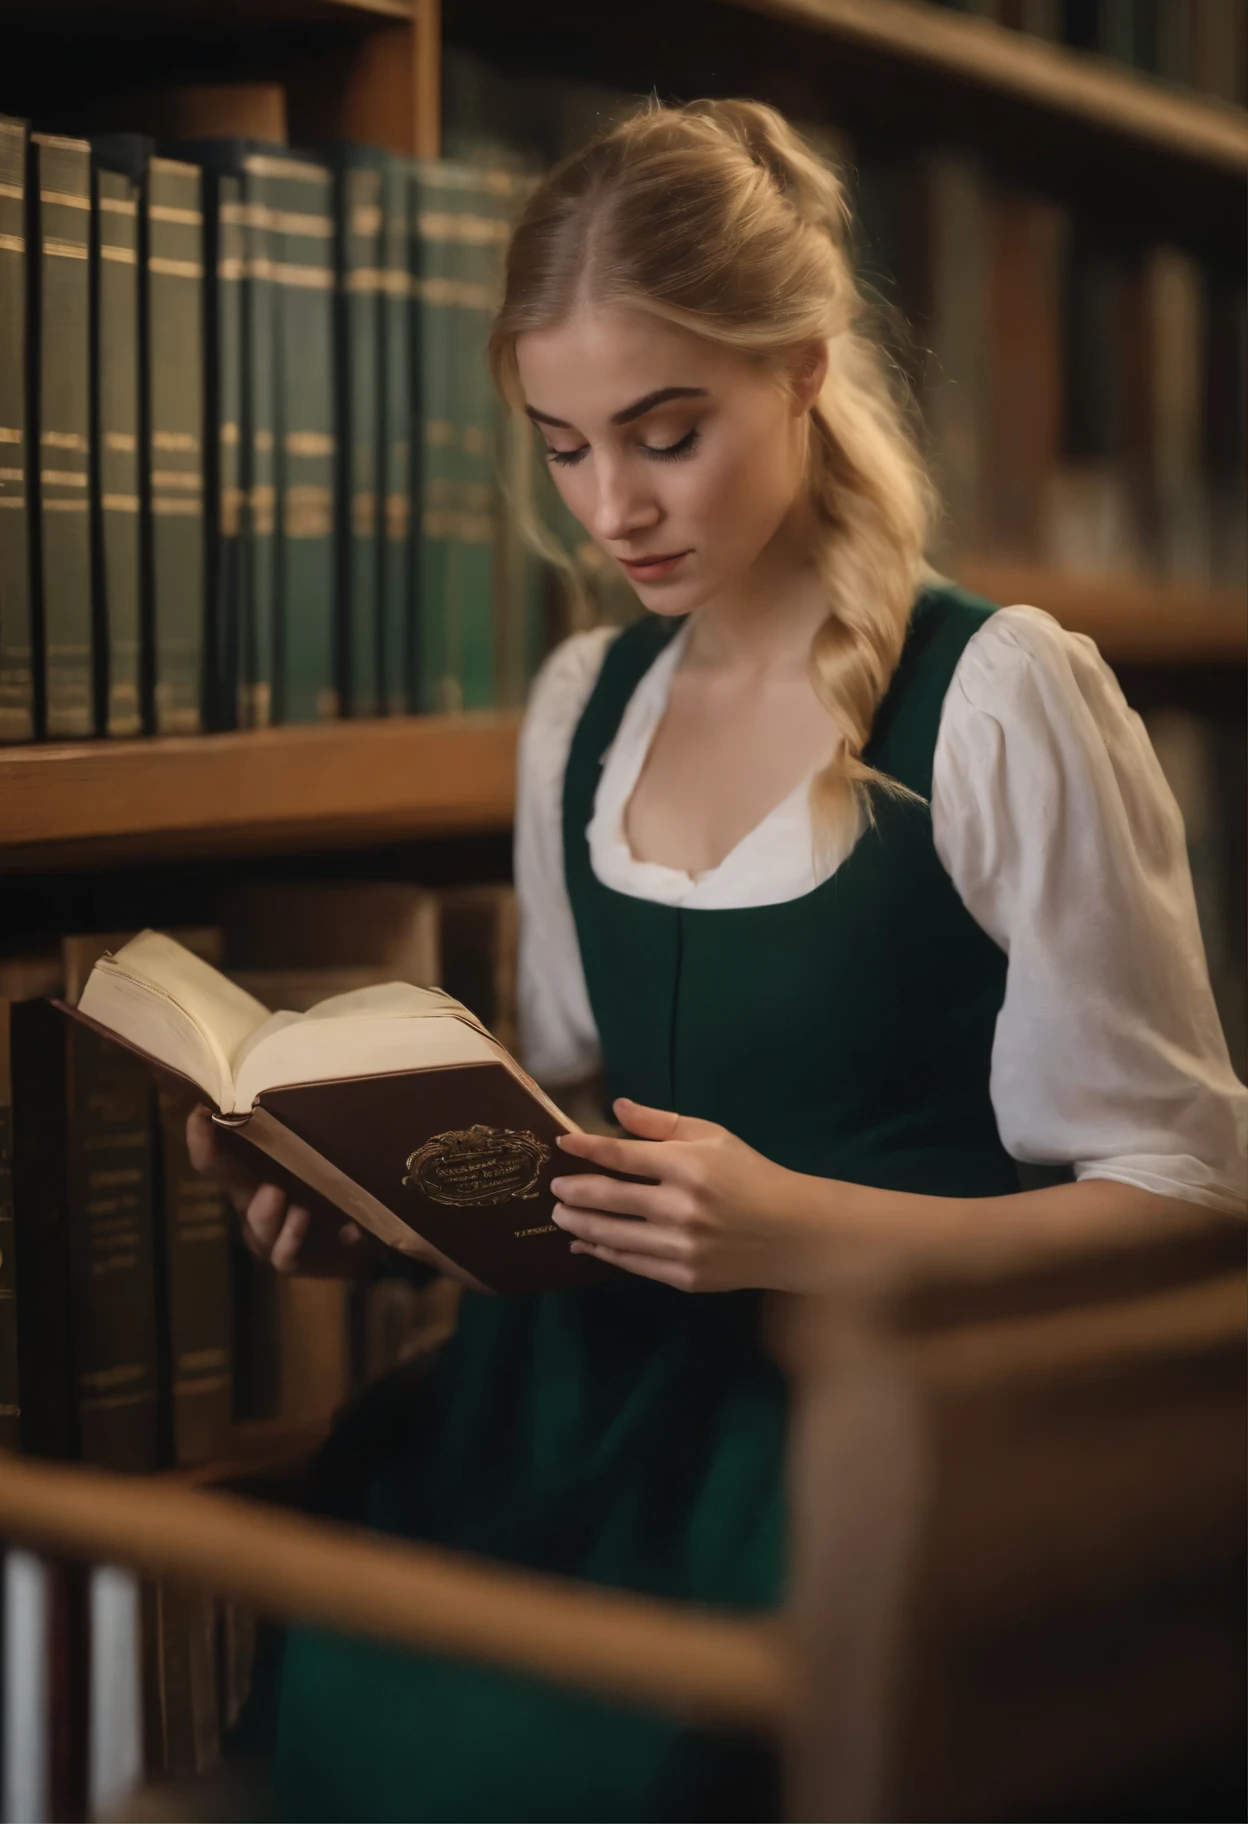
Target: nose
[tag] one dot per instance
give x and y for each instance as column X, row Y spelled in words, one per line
column 625, row 503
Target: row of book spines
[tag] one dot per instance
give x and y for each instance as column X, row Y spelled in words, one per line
column 116, row 1344
column 378, row 434
column 90, row 433
column 275, row 505
column 1064, row 376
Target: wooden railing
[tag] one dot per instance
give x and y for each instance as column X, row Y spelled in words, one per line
column 1013, row 1457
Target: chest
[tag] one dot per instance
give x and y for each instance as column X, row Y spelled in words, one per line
column 722, row 755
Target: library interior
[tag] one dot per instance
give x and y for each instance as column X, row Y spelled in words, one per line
column 279, row 566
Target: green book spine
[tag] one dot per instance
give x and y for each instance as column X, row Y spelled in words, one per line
column 480, row 237
column 399, row 586
column 257, row 626
column 434, row 338
column 226, row 391
column 10, row 1384
column 116, row 447
column 360, row 327
column 195, row 1245
column 61, row 171
column 175, row 435
column 303, row 218
column 17, row 672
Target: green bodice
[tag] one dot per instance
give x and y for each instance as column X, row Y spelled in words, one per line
column 847, row 1033
column 628, row 1433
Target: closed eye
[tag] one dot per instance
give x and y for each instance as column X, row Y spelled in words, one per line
column 672, row 452
column 566, row 457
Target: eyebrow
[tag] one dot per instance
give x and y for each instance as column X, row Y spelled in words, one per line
column 637, row 409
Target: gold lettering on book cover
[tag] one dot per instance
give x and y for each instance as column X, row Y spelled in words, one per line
column 477, row 1165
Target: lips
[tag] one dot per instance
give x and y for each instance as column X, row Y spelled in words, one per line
column 651, row 569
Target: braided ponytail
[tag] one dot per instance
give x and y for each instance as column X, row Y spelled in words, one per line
column 717, row 217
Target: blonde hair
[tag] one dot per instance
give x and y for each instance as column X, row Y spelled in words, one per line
column 717, row 217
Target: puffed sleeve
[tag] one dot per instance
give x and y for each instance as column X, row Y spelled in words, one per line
column 1053, row 820
column 558, row 1038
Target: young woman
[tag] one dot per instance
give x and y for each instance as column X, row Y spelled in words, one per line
column 862, row 895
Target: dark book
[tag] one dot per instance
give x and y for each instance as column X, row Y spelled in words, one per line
column 194, row 1249
column 225, row 414
column 403, row 580
column 22, row 978
column 181, row 1695
column 10, row 1384
column 302, row 220
column 239, row 456
column 87, row 1344
column 116, row 430
column 175, row 443
column 61, row 218
column 1024, row 376
column 360, row 249
column 393, row 1106
column 17, row 670
column 433, row 440
column 475, row 223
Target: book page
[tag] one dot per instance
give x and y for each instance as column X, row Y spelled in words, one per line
column 306, row 1049
column 183, row 1011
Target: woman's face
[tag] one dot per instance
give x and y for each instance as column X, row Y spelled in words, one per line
column 682, row 460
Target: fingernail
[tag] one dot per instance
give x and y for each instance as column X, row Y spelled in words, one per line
column 557, row 1214
column 561, row 1139
column 558, row 1186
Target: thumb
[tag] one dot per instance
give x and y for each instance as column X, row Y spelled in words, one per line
column 659, row 1123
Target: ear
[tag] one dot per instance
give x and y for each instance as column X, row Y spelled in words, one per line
column 807, row 373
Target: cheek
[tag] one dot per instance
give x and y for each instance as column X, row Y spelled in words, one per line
column 743, row 491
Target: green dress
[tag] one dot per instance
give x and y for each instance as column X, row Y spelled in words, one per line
column 627, row 1433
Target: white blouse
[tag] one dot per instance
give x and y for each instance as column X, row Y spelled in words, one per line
column 1052, row 819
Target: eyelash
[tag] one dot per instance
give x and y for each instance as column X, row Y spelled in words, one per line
column 672, row 452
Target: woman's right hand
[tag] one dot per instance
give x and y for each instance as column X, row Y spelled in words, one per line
column 290, row 1238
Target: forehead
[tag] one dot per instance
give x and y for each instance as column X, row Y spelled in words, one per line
column 601, row 359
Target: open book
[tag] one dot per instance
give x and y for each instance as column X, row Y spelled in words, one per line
column 393, row 1104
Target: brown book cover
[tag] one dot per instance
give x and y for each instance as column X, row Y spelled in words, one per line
column 451, row 1166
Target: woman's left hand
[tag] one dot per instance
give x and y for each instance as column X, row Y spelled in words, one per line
column 718, row 1216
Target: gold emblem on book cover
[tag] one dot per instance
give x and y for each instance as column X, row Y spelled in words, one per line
column 477, row 1165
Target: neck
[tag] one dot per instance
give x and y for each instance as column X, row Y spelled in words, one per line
column 764, row 622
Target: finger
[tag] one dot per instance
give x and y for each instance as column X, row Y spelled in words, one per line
column 586, row 1191
column 660, row 1123
column 640, row 1158
column 294, row 1230
column 667, row 1273
column 650, row 1239
column 349, row 1235
column 201, row 1141
column 262, row 1219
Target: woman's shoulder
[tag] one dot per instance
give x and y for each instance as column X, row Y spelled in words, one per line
column 1022, row 652
column 564, row 680
column 561, row 688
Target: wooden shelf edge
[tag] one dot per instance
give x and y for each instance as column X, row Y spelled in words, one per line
column 1068, row 82
column 349, row 784
column 1135, row 620
column 343, row 783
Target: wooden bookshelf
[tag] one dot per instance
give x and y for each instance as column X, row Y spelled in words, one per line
column 1032, row 72
column 1135, row 620
column 1147, row 154
column 349, row 784
column 341, row 784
